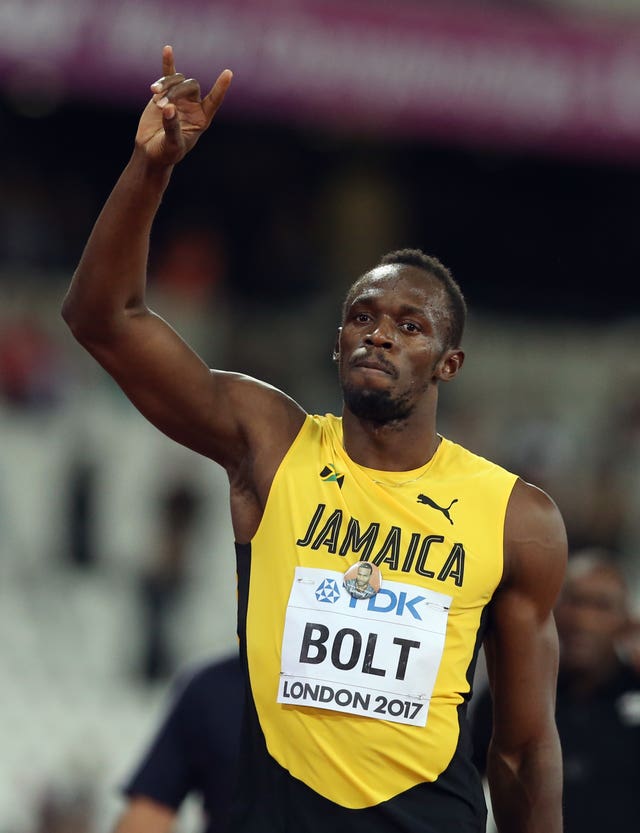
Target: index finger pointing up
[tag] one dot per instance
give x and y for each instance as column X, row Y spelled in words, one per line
column 168, row 64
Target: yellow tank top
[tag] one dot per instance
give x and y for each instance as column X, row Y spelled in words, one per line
column 358, row 697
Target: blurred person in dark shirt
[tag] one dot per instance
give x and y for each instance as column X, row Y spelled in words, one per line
column 598, row 698
column 193, row 752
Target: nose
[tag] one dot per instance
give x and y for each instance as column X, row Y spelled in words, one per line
column 381, row 334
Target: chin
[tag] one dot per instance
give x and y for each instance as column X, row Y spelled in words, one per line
column 375, row 405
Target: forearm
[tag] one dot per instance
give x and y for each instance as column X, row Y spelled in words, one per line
column 111, row 276
column 143, row 815
column 526, row 790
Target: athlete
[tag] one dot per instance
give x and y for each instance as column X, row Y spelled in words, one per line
column 356, row 714
column 360, row 586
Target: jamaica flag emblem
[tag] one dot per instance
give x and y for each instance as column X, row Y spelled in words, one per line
column 330, row 475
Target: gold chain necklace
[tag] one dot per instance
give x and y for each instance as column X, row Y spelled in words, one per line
column 396, row 485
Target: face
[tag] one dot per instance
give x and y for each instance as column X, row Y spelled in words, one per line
column 362, row 577
column 391, row 345
column 591, row 614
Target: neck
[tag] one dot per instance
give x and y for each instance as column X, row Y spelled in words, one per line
column 395, row 446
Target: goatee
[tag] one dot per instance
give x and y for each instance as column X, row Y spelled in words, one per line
column 376, row 406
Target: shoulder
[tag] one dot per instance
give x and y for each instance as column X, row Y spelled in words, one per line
column 223, row 668
column 227, row 670
column 269, row 422
column 468, row 464
column 205, row 679
column 263, row 407
column 533, row 518
column 318, row 426
column 311, row 434
column 535, row 540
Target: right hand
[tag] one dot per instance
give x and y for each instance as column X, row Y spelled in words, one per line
column 176, row 116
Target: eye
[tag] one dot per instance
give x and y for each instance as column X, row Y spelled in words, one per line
column 362, row 317
column 410, row 327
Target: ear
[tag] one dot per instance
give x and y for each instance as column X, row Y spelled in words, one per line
column 336, row 346
column 449, row 365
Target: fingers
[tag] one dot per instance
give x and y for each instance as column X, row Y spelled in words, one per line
column 214, row 98
column 168, row 63
column 173, row 86
column 169, row 75
column 171, row 125
column 164, row 84
column 174, row 89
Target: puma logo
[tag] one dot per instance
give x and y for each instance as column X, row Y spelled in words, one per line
column 444, row 509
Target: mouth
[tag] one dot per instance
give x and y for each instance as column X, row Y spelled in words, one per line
column 375, row 365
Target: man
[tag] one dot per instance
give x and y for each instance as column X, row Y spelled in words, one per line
column 598, row 705
column 360, row 586
column 194, row 752
column 357, row 712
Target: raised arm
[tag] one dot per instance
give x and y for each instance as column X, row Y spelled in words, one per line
column 524, row 765
column 222, row 415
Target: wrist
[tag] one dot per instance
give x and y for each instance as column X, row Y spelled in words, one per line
column 148, row 168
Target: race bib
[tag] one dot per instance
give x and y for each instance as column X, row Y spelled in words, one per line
column 376, row 657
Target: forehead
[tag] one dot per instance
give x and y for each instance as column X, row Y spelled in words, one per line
column 397, row 282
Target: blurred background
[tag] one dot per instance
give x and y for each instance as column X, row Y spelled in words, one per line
column 502, row 136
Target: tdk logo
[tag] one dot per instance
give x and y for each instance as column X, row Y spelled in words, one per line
column 385, row 601
column 328, row 591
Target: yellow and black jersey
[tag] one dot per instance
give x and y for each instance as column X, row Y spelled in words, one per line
column 358, row 692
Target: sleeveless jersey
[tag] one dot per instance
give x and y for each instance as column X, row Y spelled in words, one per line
column 356, row 717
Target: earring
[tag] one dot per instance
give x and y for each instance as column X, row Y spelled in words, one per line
column 335, row 356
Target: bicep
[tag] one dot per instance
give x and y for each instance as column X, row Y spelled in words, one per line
column 522, row 642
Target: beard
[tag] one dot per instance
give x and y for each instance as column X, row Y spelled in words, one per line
column 377, row 406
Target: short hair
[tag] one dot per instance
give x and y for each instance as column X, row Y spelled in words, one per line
column 366, row 565
column 433, row 267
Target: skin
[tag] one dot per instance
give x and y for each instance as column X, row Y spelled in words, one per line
column 362, row 578
column 143, row 815
column 391, row 347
